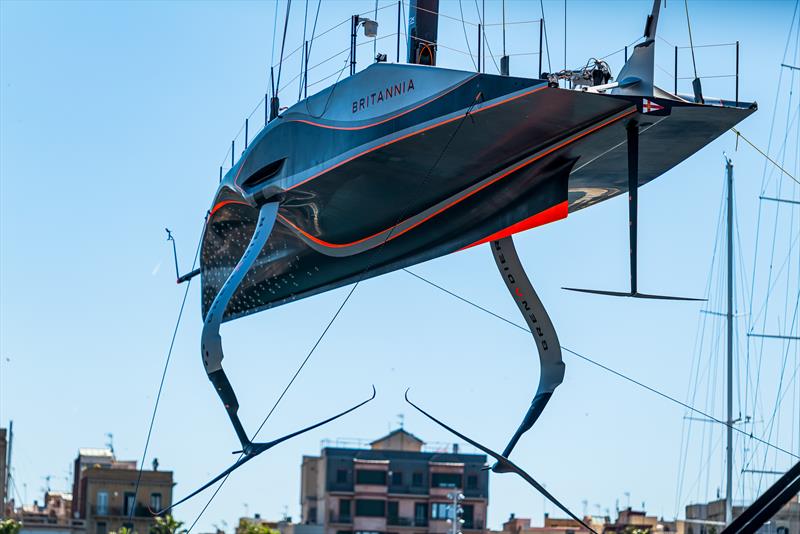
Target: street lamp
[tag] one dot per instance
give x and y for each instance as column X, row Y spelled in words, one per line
column 457, row 511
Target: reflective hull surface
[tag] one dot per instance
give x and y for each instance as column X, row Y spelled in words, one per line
column 400, row 164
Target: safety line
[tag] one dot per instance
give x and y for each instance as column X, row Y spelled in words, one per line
column 746, row 140
column 163, row 378
column 604, row 367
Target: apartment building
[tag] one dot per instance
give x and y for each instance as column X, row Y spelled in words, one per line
column 397, row 485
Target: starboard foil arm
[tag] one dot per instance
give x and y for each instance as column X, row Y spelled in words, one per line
column 504, row 465
column 541, row 327
column 211, row 341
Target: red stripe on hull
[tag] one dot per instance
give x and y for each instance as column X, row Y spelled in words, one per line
column 552, row 214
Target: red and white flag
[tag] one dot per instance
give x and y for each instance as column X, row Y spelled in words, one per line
column 649, row 106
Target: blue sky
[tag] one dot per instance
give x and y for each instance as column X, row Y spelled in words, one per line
column 114, row 118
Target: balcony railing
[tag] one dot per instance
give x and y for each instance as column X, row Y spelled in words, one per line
column 340, row 518
column 116, row 511
column 406, row 521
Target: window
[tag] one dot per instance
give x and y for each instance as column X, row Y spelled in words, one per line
column 441, row 510
column 445, row 480
column 392, row 509
column 365, row 476
column 129, row 502
column 101, row 527
column 102, row 503
column 397, row 478
column 155, row 502
column 341, row 476
column 468, row 515
column 370, row 508
column 472, row 481
column 416, row 479
column 421, row 514
column 344, row 510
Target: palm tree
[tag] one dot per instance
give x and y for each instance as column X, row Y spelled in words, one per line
column 167, row 525
column 9, row 526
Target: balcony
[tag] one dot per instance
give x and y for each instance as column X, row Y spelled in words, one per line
column 406, row 522
column 341, row 519
column 116, row 511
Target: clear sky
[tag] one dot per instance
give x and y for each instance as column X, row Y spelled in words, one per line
column 114, row 118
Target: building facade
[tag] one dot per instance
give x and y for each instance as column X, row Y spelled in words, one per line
column 105, row 496
column 393, row 487
column 54, row 517
column 709, row 518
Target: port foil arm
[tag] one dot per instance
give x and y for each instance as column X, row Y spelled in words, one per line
column 541, row 327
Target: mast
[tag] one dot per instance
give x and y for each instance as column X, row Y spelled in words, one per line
column 729, row 429
column 423, row 31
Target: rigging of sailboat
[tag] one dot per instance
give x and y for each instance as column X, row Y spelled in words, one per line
column 402, row 163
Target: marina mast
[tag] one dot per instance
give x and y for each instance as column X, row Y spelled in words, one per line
column 729, row 315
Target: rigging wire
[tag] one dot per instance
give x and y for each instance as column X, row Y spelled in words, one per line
column 485, row 41
column 763, row 188
column 598, row 364
column 770, row 287
column 164, row 372
column 303, row 59
column 375, row 254
column 278, row 401
column 274, row 31
column 696, row 375
column 466, row 39
column 546, row 41
column 375, row 39
column 780, row 168
column 283, row 40
column 691, row 44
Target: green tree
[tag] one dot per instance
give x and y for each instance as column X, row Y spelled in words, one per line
column 248, row 527
column 10, row 526
column 167, row 525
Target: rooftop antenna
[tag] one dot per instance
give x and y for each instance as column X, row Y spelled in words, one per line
column 401, row 420
column 110, row 443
